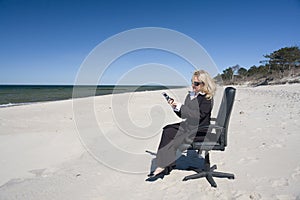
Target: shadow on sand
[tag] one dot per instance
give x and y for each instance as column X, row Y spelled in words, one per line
column 187, row 161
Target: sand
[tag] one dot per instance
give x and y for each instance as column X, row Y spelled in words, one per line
column 94, row 148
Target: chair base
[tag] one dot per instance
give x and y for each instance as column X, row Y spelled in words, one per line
column 208, row 172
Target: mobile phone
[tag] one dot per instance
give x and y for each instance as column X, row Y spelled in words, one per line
column 168, row 98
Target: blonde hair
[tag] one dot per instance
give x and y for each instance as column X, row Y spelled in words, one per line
column 209, row 87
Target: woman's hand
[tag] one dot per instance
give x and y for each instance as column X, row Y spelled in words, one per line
column 173, row 104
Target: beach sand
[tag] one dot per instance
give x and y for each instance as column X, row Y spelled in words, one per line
column 95, row 148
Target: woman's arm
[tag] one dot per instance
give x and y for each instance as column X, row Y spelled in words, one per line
column 187, row 110
column 190, row 111
column 195, row 109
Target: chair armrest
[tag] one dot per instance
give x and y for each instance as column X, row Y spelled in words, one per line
column 209, row 129
column 214, row 126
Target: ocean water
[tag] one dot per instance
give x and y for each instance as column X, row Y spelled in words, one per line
column 12, row 95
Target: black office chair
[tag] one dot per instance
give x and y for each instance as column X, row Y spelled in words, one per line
column 215, row 139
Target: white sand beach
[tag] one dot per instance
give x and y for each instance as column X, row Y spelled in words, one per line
column 74, row 150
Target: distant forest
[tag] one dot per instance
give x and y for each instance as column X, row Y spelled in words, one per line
column 281, row 66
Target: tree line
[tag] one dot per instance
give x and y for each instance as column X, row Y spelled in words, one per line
column 284, row 62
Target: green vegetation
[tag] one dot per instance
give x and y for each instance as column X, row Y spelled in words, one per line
column 280, row 66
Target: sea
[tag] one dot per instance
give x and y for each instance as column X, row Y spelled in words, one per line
column 15, row 95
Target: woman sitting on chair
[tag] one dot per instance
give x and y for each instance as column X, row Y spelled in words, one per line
column 196, row 111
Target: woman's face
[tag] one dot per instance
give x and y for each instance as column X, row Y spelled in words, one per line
column 197, row 85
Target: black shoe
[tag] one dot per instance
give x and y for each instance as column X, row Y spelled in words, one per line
column 157, row 176
column 167, row 170
column 151, row 174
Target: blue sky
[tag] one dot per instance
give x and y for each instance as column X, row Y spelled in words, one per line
column 46, row 41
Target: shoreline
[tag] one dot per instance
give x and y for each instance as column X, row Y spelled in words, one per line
column 16, row 95
column 174, row 87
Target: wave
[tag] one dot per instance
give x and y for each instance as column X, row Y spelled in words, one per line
column 14, row 104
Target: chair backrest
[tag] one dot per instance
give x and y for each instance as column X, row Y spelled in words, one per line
column 225, row 112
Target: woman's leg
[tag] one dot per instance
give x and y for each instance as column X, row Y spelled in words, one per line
column 166, row 154
column 168, row 134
